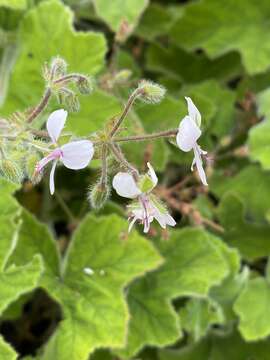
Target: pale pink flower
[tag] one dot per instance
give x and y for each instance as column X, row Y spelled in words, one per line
column 145, row 207
column 74, row 155
column 187, row 136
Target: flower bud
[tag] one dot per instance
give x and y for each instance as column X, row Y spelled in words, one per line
column 99, row 195
column 85, row 85
column 11, row 171
column 125, row 29
column 122, row 76
column 71, row 101
column 58, row 67
column 151, row 92
column 30, row 166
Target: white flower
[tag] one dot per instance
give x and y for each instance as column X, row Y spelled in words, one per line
column 146, row 207
column 187, row 136
column 74, row 155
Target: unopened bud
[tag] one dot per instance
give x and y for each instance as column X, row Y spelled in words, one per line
column 11, row 171
column 30, row 167
column 46, row 72
column 125, row 29
column 71, row 101
column 85, row 85
column 58, row 67
column 122, row 76
column 99, row 195
column 151, row 92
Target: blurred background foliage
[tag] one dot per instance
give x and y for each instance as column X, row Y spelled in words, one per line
column 203, row 291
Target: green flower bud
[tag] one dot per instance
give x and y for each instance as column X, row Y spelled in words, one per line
column 11, row 171
column 58, row 67
column 151, row 93
column 122, row 76
column 85, row 85
column 30, row 165
column 71, row 101
column 99, row 195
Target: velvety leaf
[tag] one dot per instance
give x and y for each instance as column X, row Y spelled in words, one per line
column 176, row 63
column 223, row 26
column 198, row 315
column 250, row 238
column 6, row 351
column 225, row 293
column 258, row 141
column 117, row 11
column 218, row 347
column 156, row 21
column 17, row 280
column 8, row 227
column 251, row 308
column 14, row 4
column 94, row 310
column 245, row 185
column 84, row 52
column 192, row 266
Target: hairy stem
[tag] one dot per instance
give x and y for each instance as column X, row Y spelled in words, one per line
column 41, row 106
column 104, row 169
column 69, row 77
column 120, row 157
column 128, row 106
column 145, row 137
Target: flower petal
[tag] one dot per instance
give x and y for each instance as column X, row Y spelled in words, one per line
column 56, row 123
column 193, row 112
column 199, row 164
column 77, row 154
column 132, row 224
column 125, row 185
column 188, row 134
column 52, row 187
column 163, row 219
column 152, row 174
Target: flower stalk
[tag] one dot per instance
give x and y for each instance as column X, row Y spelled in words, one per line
column 41, row 106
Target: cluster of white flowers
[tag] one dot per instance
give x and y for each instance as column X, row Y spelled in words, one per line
column 145, row 206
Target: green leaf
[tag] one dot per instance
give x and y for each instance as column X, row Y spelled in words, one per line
column 259, row 138
column 35, row 238
column 250, row 238
column 198, row 315
column 8, row 227
column 14, row 4
column 117, row 11
column 18, row 280
column 184, row 67
column 218, row 347
column 94, row 309
column 156, row 21
column 245, row 185
column 84, row 52
column 6, row 351
column 225, row 293
column 251, row 307
column 192, row 266
column 220, row 27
